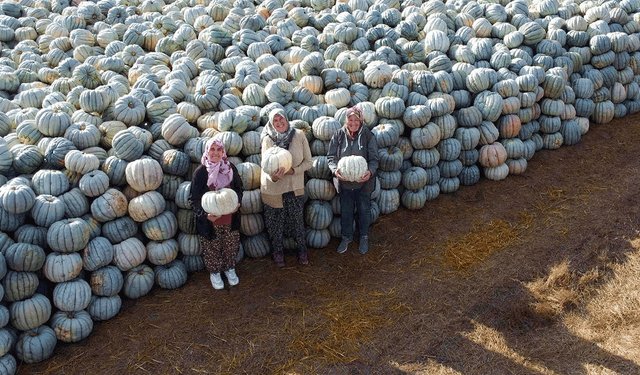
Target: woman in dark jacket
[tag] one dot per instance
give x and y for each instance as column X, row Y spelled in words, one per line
column 354, row 139
column 219, row 236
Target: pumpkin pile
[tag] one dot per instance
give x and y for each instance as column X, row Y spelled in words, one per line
column 105, row 108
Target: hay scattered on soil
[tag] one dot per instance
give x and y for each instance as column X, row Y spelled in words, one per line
column 335, row 329
column 482, row 240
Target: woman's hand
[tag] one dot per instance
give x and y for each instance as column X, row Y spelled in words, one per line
column 278, row 174
column 339, row 175
column 212, row 218
column 366, row 177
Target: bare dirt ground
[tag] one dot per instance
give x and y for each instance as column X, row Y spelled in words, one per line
column 521, row 276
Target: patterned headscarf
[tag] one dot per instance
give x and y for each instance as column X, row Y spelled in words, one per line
column 279, row 139
column 220, row 173
column 354, row 111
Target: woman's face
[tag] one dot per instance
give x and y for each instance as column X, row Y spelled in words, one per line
column 215, row 153
column 353, row 123
column 280, row 123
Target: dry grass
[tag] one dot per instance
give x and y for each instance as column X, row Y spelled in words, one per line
column 482, row 240
column 334, row 330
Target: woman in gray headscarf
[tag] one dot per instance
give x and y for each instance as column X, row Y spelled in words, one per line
column 283, row 191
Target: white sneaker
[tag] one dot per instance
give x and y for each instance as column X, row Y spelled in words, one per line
column 232, row 278
column 216, row 281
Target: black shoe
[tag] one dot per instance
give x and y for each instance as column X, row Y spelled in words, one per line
column 364, row 245
column 342, row 248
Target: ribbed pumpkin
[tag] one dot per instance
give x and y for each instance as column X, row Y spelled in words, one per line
column 67, row 236
column 492, row 155
column 138, row 281
column 353, row 168
column 19, row 285
column 71, row 326
column 146, row 206
column 106, row 281
column 256, row 246
column 30, row 313
column 110, row 205
column 73, row 295
column 144, row 175
column 98, row 253
column 317, row 239
column 220, row 202
column 59, row 267
column 24, row 257
column 250, row 175
column 275, row 158
column 104, row 308
column 171, row 275
column 36, row 344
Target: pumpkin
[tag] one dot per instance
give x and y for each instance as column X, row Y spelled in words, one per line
column 162, row 252
column 161, row 227
column 144, row 175
column 353, row 168
column 71, row 326
column 24, row 257
column 110, row 205
column 37, row 344
column 17, row 199
column 68, row 235
column 492, row 155
column 73, row 295
column 220, row 202
column 19, row 285
column 146, row 206
column 94, row 183
column 320, row 189
column 250, row 175
column 104, row 308
column 46, row 210
column 30, row 313
column 171, row 275
column 119, row 229
column 274, row 158
column 499, row 172
column 98, row 253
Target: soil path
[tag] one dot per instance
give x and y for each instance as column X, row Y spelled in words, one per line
column 432, row 277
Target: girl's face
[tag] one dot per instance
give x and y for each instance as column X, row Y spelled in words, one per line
column 215, row 153
column 353, row 123
column 280, row 123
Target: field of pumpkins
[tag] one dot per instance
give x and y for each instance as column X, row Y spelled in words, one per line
column 105, row 108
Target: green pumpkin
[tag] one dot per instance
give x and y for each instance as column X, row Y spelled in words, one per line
column 413, row 199
column 317, row 239
column 119, row 229
column 171, row 275
column 256, row 246
column 470, row 175
column 388, row 201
